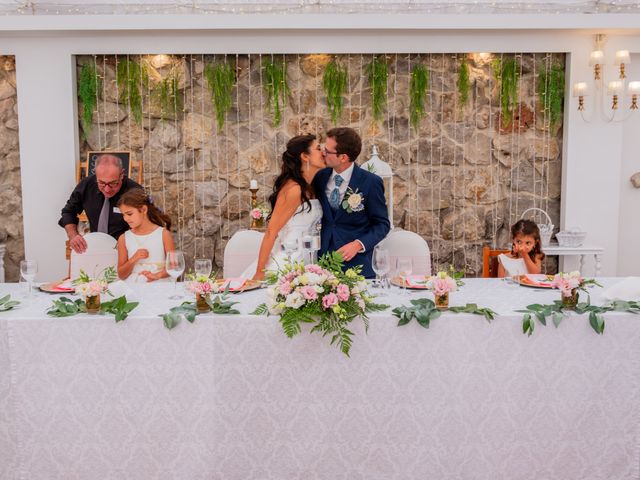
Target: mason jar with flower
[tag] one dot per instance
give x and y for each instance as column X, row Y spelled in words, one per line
column 202, row 286
column 441, row 285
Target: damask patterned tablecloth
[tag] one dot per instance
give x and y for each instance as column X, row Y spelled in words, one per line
column 230, row 397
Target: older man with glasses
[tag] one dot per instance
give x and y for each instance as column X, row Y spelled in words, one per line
column 98, row 196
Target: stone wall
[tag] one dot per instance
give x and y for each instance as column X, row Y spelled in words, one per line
column 11, row 231
column 463, row 176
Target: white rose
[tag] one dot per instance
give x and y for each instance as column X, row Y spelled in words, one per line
column 354, row 200
column 294, row 300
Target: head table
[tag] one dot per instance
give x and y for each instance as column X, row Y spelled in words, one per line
column 230, row 397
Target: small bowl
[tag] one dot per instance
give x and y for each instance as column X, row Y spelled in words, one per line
column 571, row 239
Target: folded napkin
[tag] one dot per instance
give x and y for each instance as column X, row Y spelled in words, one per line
column 416, row 281
column 234, row 284
column 64, row 286
column 627, row 289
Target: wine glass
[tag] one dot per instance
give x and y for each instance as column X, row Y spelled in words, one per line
column 380, row 264
column 289, row 242
column 28, row 270
column 404, row 266
column 174, row 264
column 202, row 266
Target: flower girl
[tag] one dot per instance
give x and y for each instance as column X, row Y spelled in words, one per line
column 526, row 251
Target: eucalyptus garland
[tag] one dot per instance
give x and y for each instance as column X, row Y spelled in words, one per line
column 221, row 78
column 275, row 74
column 418, row 93
column 89, row 84
column 551, row 91
column 378, row 73
column 507, row 73
column 334, row 83
column 464, row 85
column 131, row 76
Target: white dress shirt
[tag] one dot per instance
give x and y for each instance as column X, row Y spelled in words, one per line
column 331, row 184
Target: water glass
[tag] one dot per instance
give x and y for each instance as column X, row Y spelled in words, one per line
column 380, row 264
column 28, row 270
column 174, row 264
column 202, row 266
column 404, row 267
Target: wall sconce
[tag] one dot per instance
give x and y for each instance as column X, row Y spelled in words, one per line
column 614, row 88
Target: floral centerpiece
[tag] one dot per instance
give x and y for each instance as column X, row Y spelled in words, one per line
column 90, row 288
column 321, row 294
column 569, row 285
column 259, row 215
column 442, row 284
column 203, row 286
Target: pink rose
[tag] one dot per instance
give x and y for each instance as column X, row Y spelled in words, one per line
column 343, row 292
column 285, row 288
column 314, row 269
column 329, row 300
column 309, row 293
column 206, row 287
column 257, row 214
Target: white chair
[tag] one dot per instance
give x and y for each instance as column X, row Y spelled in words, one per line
column 101, row 253
column 242, row 249
column 402, row 243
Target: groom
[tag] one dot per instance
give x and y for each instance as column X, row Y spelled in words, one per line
column 354, row 210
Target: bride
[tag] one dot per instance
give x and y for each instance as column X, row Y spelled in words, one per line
column 294, row 210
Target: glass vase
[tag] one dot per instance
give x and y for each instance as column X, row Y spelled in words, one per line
column 442, row 301
column 92, row 303
column 201, row 303
column 571, row 301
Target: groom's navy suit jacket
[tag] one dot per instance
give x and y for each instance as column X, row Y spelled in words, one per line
column 369, row 226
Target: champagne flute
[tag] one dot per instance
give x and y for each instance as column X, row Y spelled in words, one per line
column 380, row 264
column 202, row 266
column 28, row 270
column 404, row 266
column 174, row 264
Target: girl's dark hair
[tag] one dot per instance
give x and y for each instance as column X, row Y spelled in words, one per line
column 529, row 228
column 292, row 169
column 137, row 198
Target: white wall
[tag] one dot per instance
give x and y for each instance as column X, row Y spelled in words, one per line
column 47, row 112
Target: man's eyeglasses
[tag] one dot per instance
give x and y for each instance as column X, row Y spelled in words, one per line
column 113, row 184
column 329, row 152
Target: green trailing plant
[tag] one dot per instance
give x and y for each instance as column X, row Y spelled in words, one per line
column 418, row 88
column 277, row 88
column 65, row 307
column 507, row 74
column 551, row 91
column 463, row 83
column 221, row 78
column 334, row 83
column 378, row 73
column 219, row 305
column 119, row 307
column 89, row 84
column 424, row 310
column 167, row 95
column 7, row 304
column 132, row 76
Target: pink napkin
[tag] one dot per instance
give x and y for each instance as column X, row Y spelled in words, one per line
column 234, row 284
column 416, row 281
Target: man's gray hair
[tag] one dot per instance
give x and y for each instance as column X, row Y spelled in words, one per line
column 108, row 159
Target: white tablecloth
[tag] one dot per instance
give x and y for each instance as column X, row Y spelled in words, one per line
column 230, row 397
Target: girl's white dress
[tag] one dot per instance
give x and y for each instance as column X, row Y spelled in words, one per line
column 153, row 243
column 512, row 266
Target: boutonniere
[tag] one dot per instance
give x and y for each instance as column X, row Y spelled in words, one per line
column 353, row 201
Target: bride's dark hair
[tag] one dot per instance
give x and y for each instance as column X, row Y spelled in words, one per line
column 292, row 169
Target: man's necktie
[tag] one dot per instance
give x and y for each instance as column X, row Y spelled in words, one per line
column 103, row 220
column 334, row 198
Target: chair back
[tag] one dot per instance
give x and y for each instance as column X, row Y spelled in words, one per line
column 101, row 253
column 242, row 249
column 490, row 261
column 403, row 243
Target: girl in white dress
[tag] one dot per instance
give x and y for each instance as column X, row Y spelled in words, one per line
column 526, row 251
column 292, row 202
column 142, row 249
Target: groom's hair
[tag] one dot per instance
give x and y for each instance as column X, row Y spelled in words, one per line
column 347, row 141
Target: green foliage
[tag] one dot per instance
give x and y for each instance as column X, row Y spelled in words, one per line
column 275, row 74
column 334, row 82
column 378, row 73
column 418, row 93
column 473, row 309
column 261, row 310
column 167, row 95
column 7, row 304
column 551, row 91
column 508, row 74
column 221, row 78
column 187, row 311
column 109, row 275
column 89, row 84
column 221, row 306
column 65, row 307
column 422, row 309
column 464, row 85
column 333, row 262
column 118, row 307
column 131, row 77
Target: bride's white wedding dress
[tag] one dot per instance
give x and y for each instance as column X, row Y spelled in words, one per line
column 304, row 222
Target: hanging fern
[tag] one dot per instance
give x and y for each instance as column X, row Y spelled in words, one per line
column 275, row 73
column 89, row 84
column 418, row 93
column 334, row 82
column 464, row 85
column 551, row 90
column 221, row 78
column 131, row 76
column 378, row 74
column 167, row 95
column 507, row 73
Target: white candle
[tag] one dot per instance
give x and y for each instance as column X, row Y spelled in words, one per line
column 253, row 185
